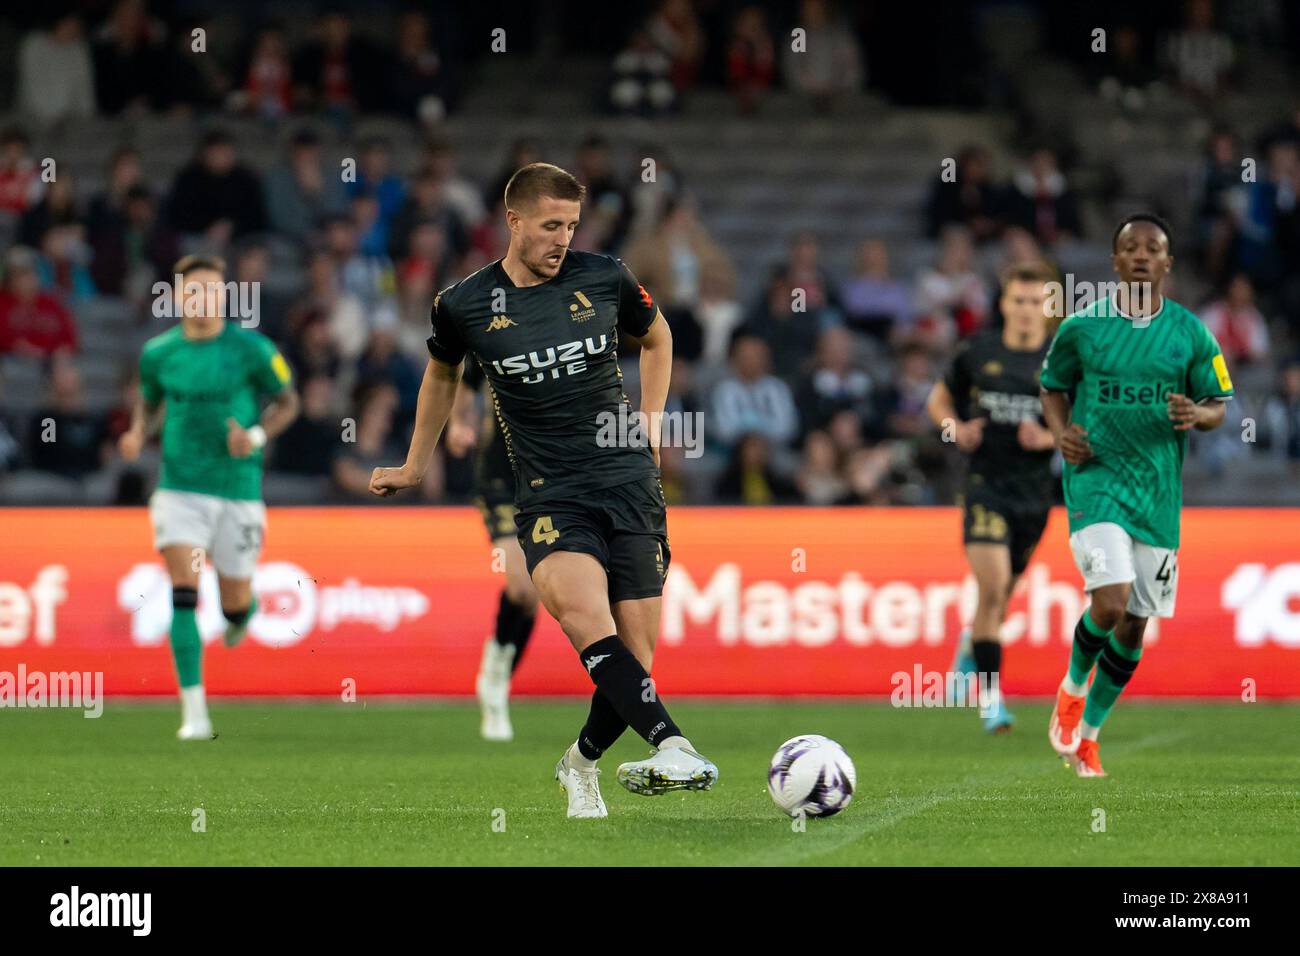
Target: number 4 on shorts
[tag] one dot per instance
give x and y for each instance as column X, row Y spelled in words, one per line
column 544, row 532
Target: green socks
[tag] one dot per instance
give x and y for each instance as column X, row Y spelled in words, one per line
column 1114, row 669
column 187, row 648
column 1089, row 639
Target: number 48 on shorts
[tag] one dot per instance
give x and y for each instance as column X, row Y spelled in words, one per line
column 1107, row 554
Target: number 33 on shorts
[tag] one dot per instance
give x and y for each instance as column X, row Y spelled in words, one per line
column 1107, row 554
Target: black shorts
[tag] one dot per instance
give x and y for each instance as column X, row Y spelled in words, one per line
column 993, row 519
column 496, row 502
column 625, row 528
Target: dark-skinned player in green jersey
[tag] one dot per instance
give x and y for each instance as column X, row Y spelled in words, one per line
column 1123, row 384
column 543, row 323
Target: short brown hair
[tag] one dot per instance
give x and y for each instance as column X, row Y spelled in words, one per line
column 187, row 264
column 542, row 180
column 1038, row 271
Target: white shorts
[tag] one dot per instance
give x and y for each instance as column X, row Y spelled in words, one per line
column 1107, row 554
column 230, row 531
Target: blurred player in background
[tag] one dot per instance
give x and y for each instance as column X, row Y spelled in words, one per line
column 543, row 323
column 203, row 382
column 1123, row 383
column 989, row 399
column 494, row 480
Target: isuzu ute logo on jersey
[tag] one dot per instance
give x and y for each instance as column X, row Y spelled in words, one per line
column 567, row 359
column 1111, row 391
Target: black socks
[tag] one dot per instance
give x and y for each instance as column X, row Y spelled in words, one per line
column 621, row 679
column 514, row 627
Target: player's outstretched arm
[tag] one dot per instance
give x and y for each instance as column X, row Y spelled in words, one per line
column 437, row 395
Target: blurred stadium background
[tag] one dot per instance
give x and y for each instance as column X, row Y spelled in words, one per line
column 724, row 168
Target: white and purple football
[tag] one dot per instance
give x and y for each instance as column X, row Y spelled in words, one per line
column 811, row 775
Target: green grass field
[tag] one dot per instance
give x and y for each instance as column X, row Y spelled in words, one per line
column 413, row 784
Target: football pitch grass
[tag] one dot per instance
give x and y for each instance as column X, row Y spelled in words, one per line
column 412, row 784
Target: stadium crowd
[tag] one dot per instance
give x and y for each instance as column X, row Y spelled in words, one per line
column 811, row 389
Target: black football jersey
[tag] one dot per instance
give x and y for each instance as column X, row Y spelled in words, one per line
column 549, row 353
column 991, row 381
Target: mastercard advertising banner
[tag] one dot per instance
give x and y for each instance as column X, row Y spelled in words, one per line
column 398, row 600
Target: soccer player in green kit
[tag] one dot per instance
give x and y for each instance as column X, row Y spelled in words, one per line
column 202, row 383
column 1142, row 373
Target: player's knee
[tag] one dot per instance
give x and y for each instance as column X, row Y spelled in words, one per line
column 1107, row 609
column 237, row 615
column 584, row 624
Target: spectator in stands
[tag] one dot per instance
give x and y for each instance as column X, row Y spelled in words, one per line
column 252, row 269
column 718, row 313
column 788, row 320
column 132, row 251
column 1040, row 200
column 462, row 195
column 830, row 62
column 971, row 199
column 821, row 479
column 1282, row 414
column 419, row 87
column 330, row 300
column 874, row 301
column 337, row 72
column 1220, row 178
column 420, row 276
column 372, row 230
column 63, row 265
column 428, row 202
column 903, row 400
column 107, row 209
column 33, row 323
column 300, row 193
column 375, row 177
column 58, row 207
column 951, row 300
column 1239, row 327
column 131, row 60
column 1201, row 57
column 640, row 81
column 64, row 438
column 868, row 471
column 312, row 350
column 1265, row 218
column 751, row 479
column 607, row 213
column 308, row 446
column 675, row 30
column 376, row 442
column 751, row 58
column 383, row 361
column 215, row 197
column 1127, row 75
column 673, row 258
column 751, row 399
column 522, row 152
column 368, row 277
column 267, row 92
column 836, row 382
column 21, row 185
column 56, row 78
column 489, row 241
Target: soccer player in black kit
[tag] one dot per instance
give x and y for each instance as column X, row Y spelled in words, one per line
column 989, row 403
column 543, row 324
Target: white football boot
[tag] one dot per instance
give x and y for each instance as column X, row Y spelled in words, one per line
column 195, row 723
column 493, row 689
column 672, row 768
column 583, row 788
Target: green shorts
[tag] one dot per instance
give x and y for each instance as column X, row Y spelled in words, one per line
column 625, row 528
